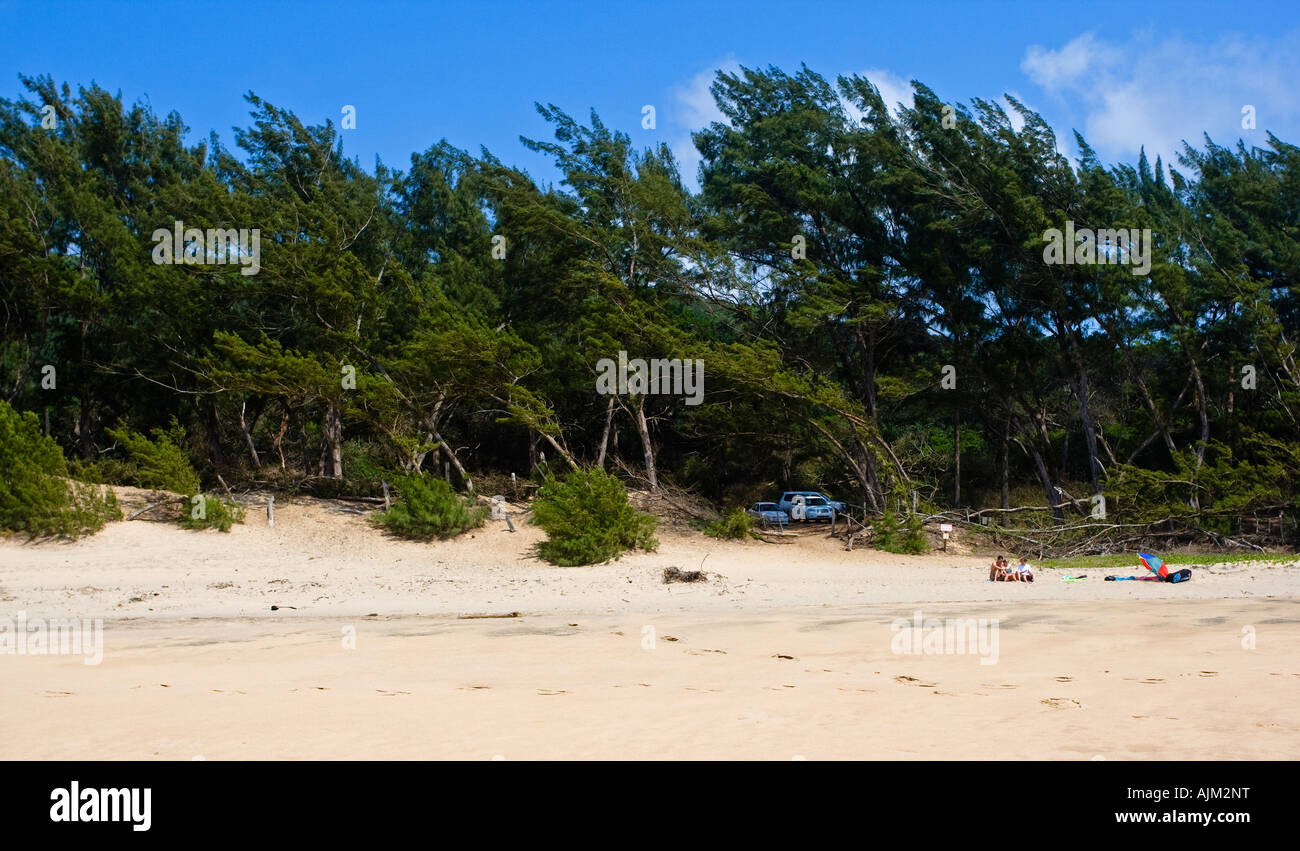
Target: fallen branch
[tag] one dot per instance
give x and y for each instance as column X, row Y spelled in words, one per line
column 146, row 508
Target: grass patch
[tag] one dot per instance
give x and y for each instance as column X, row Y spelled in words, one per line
column 1131, row 560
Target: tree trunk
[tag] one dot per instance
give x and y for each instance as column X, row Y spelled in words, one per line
column 455, row 462
column 604, row 437
column 1203, row 414
column 1122, row 344
column 248, row 437
column 1081, row 391
column 213, row 428
column 331, row 453
column 1044, row 475
column 304, row 445
column 956, row 460
column 83, row 431
column 875, row 496
column 643, row 428
column 1048, row 487
column 279, row 436
column 1006, row 465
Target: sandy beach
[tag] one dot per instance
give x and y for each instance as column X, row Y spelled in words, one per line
column 789, row 650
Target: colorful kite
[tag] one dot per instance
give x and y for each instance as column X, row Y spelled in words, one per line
column 1160, row 571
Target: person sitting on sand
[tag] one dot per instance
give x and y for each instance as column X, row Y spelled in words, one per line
column 1024, row 573
column 999, row 570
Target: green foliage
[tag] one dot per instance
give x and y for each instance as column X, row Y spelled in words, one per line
column 924, row 251
column 588, row 519
column 161, row 462
column 36, row 495
column 217, row 514
column 104, row 470
column 734, row 525
column 906, row 538
column 428, row 508
column 914, row 537
column 887, row 532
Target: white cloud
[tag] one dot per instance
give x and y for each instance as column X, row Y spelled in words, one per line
column 1157, row 92
column 695, row 110
column 893, row 89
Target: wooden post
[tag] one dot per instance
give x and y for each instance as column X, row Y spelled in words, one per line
column 385, row 486
column 270, row 511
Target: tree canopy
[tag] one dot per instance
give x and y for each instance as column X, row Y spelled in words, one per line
column 867, row 291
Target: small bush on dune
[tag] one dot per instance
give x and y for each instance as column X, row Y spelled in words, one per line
column 428, row 507
column 161, row 463
column 211, row 513
column 913, row 536
column 887, row 532
column 36, row 495
column 588, row 519
column 907, row 538
column 735, row 525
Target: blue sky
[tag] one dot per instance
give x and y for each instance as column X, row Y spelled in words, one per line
column 1123, row 73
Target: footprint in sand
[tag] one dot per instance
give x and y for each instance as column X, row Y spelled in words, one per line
column 547, row 691
column 912, row 681
column 703, row 652
column 390, row 693
column 1065, row 679
column 858, row 690
column 1062, row 702
column 49, row 693
column 996, row 685
column 782, row 656
column 1209, row 673
column 1151, row 681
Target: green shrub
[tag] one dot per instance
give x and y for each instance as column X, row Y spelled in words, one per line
column 161, row 463
column 887, row 532
column 914, row 539
column 211, row 512
column 103, row 471
column 429, row 508
column 36, row 495
column 733, row 526
column 588, row 519
column 909, row 538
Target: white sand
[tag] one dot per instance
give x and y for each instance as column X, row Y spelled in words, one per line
column 196, row 663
